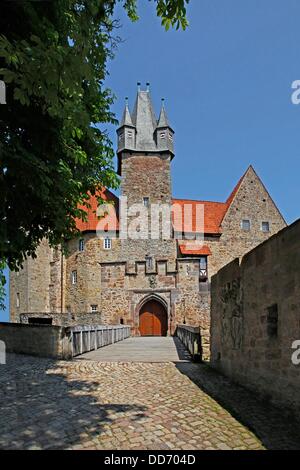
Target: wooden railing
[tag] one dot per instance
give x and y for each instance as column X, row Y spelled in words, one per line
column 92, row 337
column 191, row 338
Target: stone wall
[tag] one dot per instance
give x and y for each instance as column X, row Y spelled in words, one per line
column 59, row 342
column 64, row 318
column 117, row 281
column 42, row 341
column 255, row 318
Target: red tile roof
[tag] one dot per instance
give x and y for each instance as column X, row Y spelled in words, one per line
column 183, row 220
column 213, row 216
column 109, row 222
column 188, row 250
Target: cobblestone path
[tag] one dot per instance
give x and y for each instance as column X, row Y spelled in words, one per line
column 84, row 404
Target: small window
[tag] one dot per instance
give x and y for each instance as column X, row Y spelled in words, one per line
column 121, row 136
column 107, row 243
column 265, row 226
column 149, row 262
column 121, row 321
column 171, row 137
column 203, row 268
column 81, row 244
column 146, row 201
column 163, row 135
column 94, row 308
column 246, row 225
column 272, row 321
column 18, row 300
column 74, row 277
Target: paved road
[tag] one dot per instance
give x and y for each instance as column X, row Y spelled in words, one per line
column 141, row 349
column 87, row 404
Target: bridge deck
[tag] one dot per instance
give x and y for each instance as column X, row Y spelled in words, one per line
column 141, row 349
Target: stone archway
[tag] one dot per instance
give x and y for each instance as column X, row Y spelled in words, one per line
column 153, row 319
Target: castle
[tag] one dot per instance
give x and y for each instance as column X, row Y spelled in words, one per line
column 151, row 283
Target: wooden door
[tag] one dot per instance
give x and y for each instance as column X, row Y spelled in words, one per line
column 153, row 319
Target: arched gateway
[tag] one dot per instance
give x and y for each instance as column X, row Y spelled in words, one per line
column 153, row 319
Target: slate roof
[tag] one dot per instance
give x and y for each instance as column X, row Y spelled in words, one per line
column 126, row 119
column 144, row 120
column 163, row 118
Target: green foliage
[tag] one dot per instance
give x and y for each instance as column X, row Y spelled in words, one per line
column 173, row 13
column 54, row 149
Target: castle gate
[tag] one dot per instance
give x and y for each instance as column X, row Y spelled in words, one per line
column 153, row 319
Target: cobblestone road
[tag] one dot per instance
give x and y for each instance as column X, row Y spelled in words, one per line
column 84, row 404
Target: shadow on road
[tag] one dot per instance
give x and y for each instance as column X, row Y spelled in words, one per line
column 275, row 428
column 183, row 354
column 40, row 408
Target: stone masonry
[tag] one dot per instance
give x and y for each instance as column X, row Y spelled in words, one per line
column 116, row 279
column 255, row 319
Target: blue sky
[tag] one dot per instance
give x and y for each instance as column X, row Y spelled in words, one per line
column 227, row 85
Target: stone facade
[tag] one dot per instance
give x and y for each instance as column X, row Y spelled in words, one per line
column 255, row 318
column 118, row 280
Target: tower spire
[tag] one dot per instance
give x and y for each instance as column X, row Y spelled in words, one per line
column 140, row 131
column 163, row 118
column 126, row 119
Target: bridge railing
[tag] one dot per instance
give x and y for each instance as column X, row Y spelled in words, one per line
column 190, row 336
column 91, row 337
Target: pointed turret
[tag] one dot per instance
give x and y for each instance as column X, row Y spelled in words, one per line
column 141, row 132
column 164, row 133
column 163, row 119
column 126, row 119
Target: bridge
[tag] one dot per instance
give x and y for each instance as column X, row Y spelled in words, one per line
column 142, row 349
column 139, row 393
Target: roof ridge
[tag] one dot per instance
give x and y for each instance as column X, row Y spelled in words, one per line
column 197, row 200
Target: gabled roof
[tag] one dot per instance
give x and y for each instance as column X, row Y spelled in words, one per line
column 237, row 187
column 214, row 213
column 213, row 216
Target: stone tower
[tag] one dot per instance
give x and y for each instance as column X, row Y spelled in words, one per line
column 145, row 151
